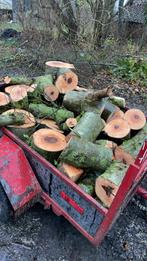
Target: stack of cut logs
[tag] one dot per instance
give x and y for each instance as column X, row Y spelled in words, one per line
column 87, row 134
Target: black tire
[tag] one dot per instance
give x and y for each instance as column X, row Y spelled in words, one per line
column 5, row 207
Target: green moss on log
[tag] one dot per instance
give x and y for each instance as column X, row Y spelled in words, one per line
column 89, row 126
column 59, row 115
column 43, row 81
column 134, row 145
column 87, row 155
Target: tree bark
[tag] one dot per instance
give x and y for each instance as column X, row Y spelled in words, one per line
column 59, row 115
column 82, row 154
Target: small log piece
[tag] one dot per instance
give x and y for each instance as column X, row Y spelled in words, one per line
column 70, row 171
column 51, row 93
column 107, row 185
column 89, row 126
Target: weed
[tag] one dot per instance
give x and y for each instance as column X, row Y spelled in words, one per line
column 132, row 70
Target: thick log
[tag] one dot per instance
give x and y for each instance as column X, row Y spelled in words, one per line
column 77, row 103
column 107, row 185
column 135, row 118
column 12, row 80
column 47, row 123
column 48, row 143
column 117, row 128
column 89, row 126
column 59, row 115
column 134, row 145
column 116, row 115
column 83, row 154
column 52, row 67
column 26, row 128
column 66, row 81
column 23, row 86
column 19, row 97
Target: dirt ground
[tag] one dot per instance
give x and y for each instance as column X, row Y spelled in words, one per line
column 39, row 235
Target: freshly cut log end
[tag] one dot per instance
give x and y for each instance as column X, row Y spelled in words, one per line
column 135, row 118
column 17, row 94
column 49, row 140
column 117, row 128
column 71, row 122
column 70, row 171
column 116, row 115
column 29, row 120
column 107, row 185
column 4, row 99
column 50, row 124
column 51, row 93
column 105, row 191
column 22, row 86
column 59, row 64
column 123, row 156
column 66, row 82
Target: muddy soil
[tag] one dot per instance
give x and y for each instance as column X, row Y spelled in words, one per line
column 39, row 235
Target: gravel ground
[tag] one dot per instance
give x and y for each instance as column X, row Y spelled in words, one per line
column 39, row 235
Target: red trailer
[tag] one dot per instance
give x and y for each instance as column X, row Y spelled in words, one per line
column 27, row 178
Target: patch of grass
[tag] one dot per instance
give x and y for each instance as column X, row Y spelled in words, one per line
column 132, row 70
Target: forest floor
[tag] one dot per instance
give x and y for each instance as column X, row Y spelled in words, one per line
column 39, row 235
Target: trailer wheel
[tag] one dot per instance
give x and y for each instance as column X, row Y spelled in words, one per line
column 5, row 207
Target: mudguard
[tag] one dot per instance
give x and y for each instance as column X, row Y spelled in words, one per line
column 16, row 175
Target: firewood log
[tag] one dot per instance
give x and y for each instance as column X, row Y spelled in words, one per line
column 133, row 145
column 49, row 143
column 26, row 128
column 66, row 81
column 51, row 93
column 52, row 67
column 135, row 118
column 85, row 101
column 70, row 171
column 89, row 126
column 43, row 81
column 118, row 101
column 83, row 154
column 117, row 128
column 59, row 115
column 107, row 184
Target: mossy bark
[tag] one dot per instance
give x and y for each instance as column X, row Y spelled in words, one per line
column 115, row 173
column 134, row 145
column 11, row 119
column 89, row 126
column 22, row 133
column 83, row 154
column 77, row 102
column 59, row 115
column 118, row 101
column 43, row 81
